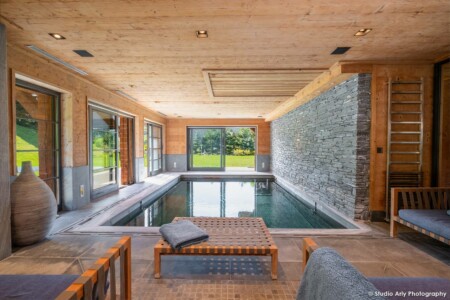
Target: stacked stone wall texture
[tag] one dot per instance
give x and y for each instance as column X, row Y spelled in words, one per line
column 323, row 147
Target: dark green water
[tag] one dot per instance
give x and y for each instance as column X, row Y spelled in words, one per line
column 265, row 199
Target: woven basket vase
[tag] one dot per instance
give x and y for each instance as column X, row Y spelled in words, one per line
column 33, row 207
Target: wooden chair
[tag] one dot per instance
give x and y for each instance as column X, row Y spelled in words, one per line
column 418, row 198
column 96, row 276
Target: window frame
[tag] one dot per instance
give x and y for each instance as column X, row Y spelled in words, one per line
column 149, row 126
column 57, row 135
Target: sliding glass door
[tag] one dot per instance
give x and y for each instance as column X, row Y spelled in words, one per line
column 206, row 149
column 104, row 159
column 153, row 149
column 219, row 148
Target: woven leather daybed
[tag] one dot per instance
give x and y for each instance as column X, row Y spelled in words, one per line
column 227, row 236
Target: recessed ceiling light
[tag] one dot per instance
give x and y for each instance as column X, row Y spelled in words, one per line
column 179, row 116
column 202, row 34
column 260, row 116
column 340, row 50
column 57, row 36
column 363, row 31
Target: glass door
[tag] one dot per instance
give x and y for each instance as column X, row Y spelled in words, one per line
column 153, row 149
column 104, row 151
column 38, row 133
column 206, row 149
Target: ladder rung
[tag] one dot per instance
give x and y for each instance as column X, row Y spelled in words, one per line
column 406, row 143
column 406, row 102
column 405, row 162
column 406, row 122
column 405, row 132
column 406, row 112
column 406, row 82
column 406, row 92
column 405, row 152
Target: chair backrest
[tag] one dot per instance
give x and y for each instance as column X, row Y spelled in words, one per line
column 93, row 283
column 422, row 198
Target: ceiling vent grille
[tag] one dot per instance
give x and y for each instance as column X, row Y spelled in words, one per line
column 340, row 50
column 55, row 59
column 83, row 53
column 258, row 83
column 123, row 94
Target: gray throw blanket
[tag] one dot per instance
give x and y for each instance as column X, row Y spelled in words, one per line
column 328, row 276
column 182, row 234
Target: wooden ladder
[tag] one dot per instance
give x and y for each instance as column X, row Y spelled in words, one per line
column 405, row 136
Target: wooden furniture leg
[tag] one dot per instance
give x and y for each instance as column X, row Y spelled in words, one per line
column 308, row 247
column 394, row 229
column 274, row 264
column 157, row 263
column 394, row 213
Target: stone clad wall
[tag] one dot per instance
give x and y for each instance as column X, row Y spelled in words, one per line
column 322, row 147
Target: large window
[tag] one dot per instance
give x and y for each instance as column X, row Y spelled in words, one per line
column 206, row 149
column 38, row 133
column 104, row 150
column 221, row 148
column 152, row 149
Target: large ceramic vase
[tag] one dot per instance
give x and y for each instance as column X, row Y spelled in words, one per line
column 33, row 207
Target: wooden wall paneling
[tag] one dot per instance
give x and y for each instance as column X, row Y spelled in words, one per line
column 380, row 76
column 12, row 123
column 444, row 156
column 67, row 119
column 5, row 205
column 32, row 66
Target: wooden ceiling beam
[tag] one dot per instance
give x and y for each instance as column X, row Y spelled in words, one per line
column 338, row 73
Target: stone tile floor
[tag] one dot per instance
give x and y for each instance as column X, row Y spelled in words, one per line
column 200, row 277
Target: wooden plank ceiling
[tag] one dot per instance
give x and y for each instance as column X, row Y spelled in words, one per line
column 149, row 49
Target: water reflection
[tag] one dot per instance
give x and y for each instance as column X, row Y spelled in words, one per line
column 263, row 199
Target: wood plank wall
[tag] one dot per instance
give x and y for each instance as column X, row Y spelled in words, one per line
column 177, row 128
column 444, row 159
column 23, row 62
column 5, row 207
column 380, row 76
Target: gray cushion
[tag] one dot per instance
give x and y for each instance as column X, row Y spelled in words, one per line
column 395, row 285
column 328, row 276
column 433, row 220
column 36, row 287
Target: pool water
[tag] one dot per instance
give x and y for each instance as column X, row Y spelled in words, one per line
column 198, row 198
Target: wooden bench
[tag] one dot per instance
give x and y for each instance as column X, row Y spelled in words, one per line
column 418, row 198
column 95, row 276
column 227, row 236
